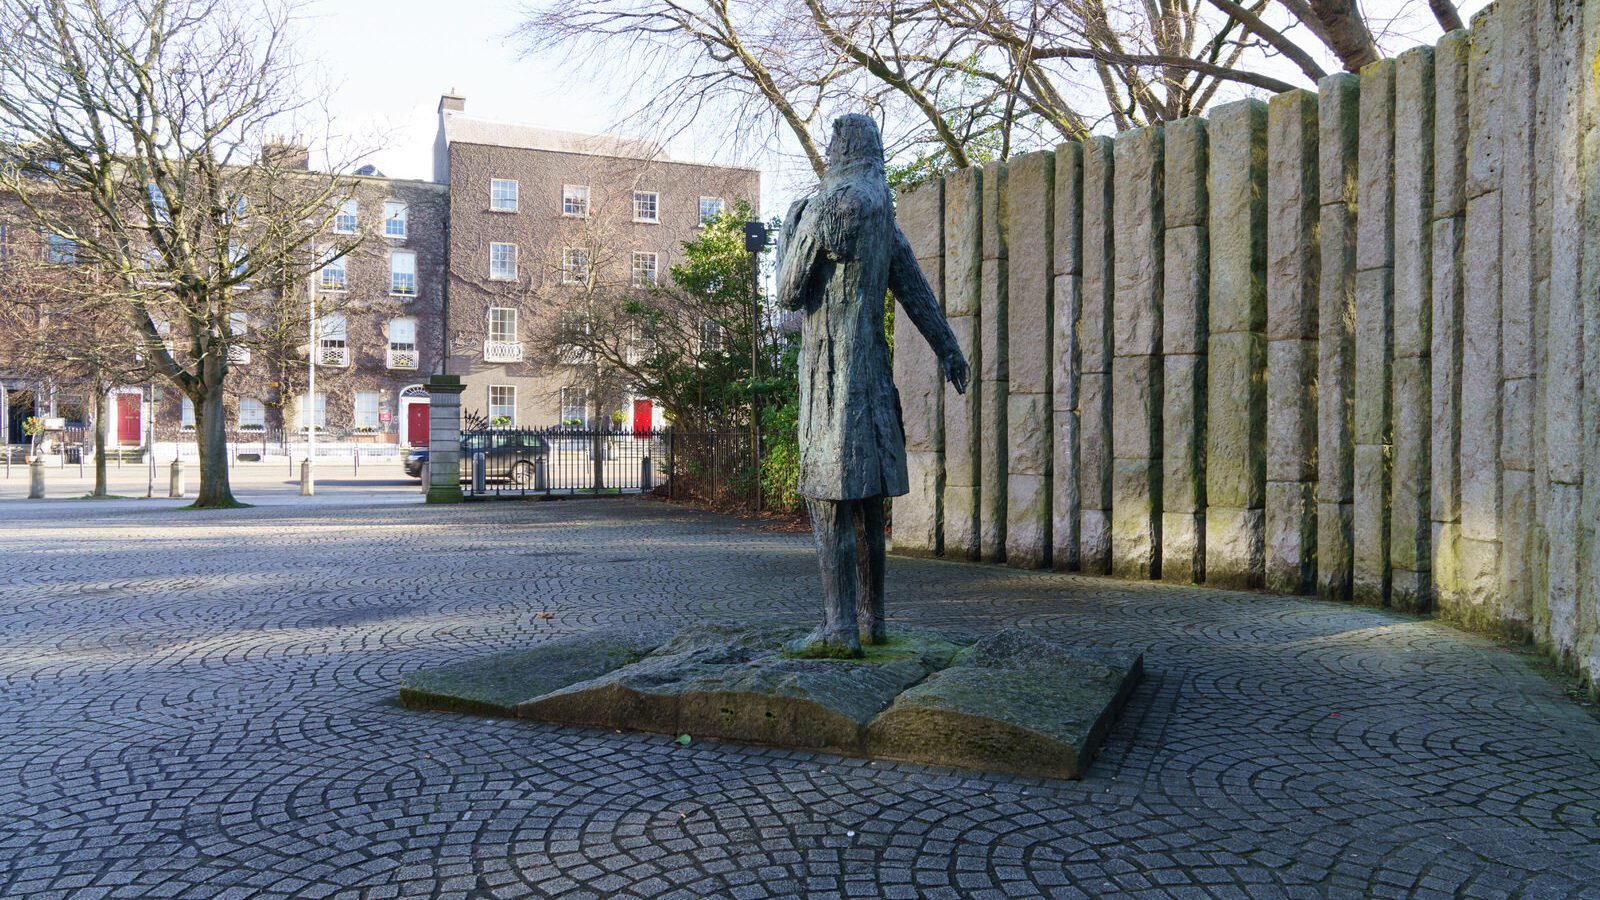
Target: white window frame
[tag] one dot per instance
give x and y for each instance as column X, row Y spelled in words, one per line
column 330, row 338
column 185, row 413
column 504, row 276
column 504, row 194
column 507, row 318
column 347, row 218
column 396, row 288
column 325, row 275
column 575, row 265
column 654, row 201
column 319, row 410
column 566, row 405
column 654, row 269
column 399, row 347
column 571, row 195
column 721, row 208
column 257, row 420
column 510, row 407
column 238, row 327
column 395, row 223
column 367, row 418
column 711, row 336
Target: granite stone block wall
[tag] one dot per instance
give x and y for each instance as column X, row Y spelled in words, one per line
column 1342, row 342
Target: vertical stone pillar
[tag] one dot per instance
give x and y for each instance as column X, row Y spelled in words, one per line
column 994, row 368
column 1565, row 333
column 1186, row 260
column 963, row 255
column 1481, row 492
column 1067, row 261
column 1236, row 407
column 1292, row 257
column 1030, row 320
column 444, row 439
column 1136, row 356
column 1374, row 332
column 1094, row 351
column 1410, row 518
column 1337, row 122
column 1588, row 641
column 1520, row 559
column 1449, row 226
column 917, row 527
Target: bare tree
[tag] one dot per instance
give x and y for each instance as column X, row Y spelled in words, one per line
column 970, row 79
column 48, row 334
column 139, row 132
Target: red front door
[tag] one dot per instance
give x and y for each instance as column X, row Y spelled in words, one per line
column 417, row 424
column 643, row 418
column 128, row 424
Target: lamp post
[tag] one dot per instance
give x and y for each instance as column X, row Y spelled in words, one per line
column 308, row 476
column 755, row 241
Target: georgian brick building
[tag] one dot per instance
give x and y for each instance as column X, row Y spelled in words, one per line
column 458, row 274
column 537, row 219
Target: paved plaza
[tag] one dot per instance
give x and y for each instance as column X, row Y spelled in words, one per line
column 202, row 705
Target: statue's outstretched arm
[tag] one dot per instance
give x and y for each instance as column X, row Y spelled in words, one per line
column 916, row 297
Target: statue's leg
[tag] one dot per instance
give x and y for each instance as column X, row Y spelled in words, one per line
column 835, row 535
column 869, row 570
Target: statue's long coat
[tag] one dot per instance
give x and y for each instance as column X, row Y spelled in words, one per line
column 841, row 251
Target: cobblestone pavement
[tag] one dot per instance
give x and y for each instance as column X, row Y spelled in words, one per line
column 200, row 704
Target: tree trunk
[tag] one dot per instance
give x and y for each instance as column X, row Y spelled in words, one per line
column 211, row 438
column 100, row 426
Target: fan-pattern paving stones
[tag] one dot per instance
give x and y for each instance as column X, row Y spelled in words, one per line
column 201, row 705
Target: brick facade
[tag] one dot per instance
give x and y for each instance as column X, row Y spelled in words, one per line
column 450, row 225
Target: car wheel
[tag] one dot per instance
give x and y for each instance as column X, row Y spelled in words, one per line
column 522, row 473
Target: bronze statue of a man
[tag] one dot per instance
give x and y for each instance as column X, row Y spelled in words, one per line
column 841, row 252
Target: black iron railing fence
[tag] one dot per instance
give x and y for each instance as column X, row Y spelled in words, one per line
column 715, row 467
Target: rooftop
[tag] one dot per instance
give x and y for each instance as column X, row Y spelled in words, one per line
column 462, row 128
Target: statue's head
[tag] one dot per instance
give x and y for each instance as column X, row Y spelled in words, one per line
column 855, row 141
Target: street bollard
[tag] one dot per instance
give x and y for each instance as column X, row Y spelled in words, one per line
column 424, row 479
column 36, row 480
column 541, row 474
column 355, row 455
column 175, row 480
column 646, row 474
column 308, row 486
column 477, row 473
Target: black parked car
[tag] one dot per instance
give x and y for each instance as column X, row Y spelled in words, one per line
column 507, row 455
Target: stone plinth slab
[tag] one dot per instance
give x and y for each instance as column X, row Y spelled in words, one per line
column 1012, row 702
column 1015, row 702
column 496, row 684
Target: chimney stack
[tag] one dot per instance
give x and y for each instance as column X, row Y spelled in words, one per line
column 452, row 102
column 286, row 154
